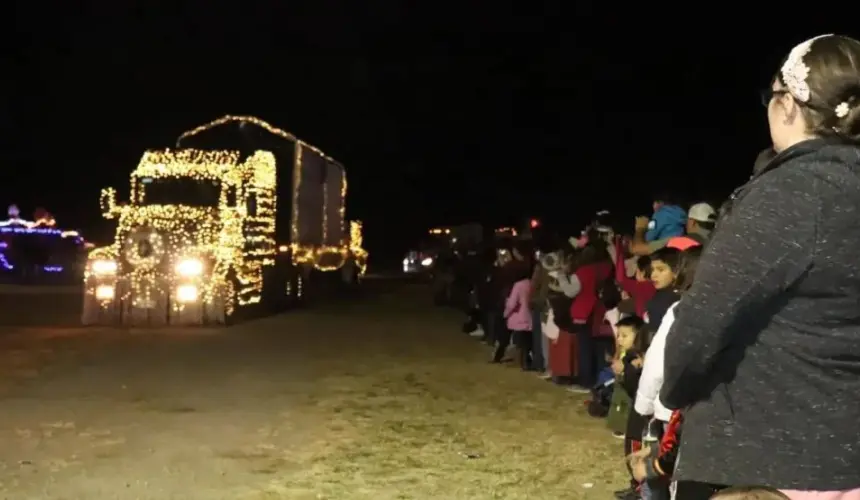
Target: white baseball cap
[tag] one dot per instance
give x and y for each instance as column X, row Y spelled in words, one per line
column 702, row 212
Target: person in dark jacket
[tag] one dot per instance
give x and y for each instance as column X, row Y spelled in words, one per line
column 510, row 265
column 657, row 464
column 632, row 361
column 665, row 265
column 765, row 348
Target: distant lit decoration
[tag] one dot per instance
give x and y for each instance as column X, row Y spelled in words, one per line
column 356, row 245
column 44, row 225
column 506, row 231
column 534, row 223
column 44, row 218
column 439, row 230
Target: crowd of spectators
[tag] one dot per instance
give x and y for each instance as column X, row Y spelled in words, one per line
column 722, row 346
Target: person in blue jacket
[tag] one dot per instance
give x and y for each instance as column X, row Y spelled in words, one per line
column 668, row 220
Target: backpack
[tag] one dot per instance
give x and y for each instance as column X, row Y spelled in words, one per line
column 608, row 293
column 560, row 305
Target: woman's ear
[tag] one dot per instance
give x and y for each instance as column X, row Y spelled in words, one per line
column 790, row 106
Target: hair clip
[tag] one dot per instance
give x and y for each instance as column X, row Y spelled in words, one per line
column 795, row 71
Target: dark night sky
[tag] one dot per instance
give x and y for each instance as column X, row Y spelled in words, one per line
column 439, row 111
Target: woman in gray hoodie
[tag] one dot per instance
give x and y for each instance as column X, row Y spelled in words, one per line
column 764, row 354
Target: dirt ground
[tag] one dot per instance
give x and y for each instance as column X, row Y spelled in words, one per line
column 381, row 398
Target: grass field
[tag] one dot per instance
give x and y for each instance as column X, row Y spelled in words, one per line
column 381, row 399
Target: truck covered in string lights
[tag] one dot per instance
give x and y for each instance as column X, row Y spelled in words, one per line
column 241, row 217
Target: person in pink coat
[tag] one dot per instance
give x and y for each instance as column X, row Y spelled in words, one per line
column 519, row 322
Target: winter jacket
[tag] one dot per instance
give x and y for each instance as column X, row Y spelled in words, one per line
column 517, row 312
column 667, row 221
column 765, row 348
column 648, row 393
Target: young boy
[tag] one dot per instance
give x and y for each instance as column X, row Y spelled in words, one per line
column 623, row 420
column 656, row 465
column 629, row 335
column 664, row 271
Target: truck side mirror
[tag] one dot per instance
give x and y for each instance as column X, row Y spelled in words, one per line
column 107, row 202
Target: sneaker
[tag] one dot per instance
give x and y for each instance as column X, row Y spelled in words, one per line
column 618, row 435
column 545, row 375
column 625, row 494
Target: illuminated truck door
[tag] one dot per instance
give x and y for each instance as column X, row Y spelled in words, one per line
column 334, row 205
column 309, row 193
column 258, row 224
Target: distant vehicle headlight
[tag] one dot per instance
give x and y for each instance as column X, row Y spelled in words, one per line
column 427, row 261
column 103, row 267
column 189, row 267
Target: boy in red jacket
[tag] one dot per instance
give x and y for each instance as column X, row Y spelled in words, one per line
column 656, row 464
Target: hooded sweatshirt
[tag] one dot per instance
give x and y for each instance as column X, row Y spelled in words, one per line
column 764, row 349
column 667, row 221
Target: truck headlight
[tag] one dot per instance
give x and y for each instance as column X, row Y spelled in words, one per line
column 102, row 267
column 427, row 261
column 186, row 294
column 189, row 268
column 105, row 292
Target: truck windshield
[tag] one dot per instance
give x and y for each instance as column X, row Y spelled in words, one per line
column 180, row 191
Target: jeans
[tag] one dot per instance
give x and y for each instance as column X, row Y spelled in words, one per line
column 601, row 347
column 525, row 344
column 587, row 376
column 545, row 349
column 504, row 340
column 657, row 490
column 539, row 361
column 494, row 321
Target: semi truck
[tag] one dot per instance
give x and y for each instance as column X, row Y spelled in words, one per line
column 241, row 218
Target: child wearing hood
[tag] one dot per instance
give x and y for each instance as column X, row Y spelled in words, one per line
column 668, row 220
column 651, row 234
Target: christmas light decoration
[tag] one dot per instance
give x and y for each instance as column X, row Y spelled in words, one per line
column 356, row 242
column 43, row 226
column 209, row 255
column 45, row 222
column 336, row 256
column 156, row 241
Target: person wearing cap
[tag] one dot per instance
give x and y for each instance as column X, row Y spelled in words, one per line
column 701, row 220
